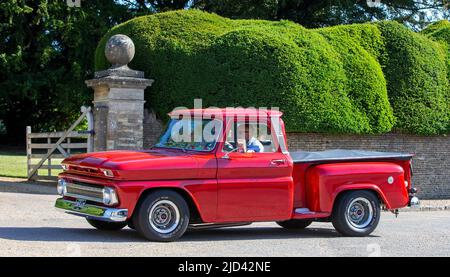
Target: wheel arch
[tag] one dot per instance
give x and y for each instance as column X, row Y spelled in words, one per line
column 194, row 211
column 365, row 187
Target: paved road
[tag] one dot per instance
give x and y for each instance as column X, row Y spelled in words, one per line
column 30, row 226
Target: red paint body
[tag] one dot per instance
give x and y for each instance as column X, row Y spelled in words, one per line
column 247, row 186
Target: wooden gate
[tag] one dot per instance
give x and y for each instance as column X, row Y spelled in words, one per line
column 43, row 146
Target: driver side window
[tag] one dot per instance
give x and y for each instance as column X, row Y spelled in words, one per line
column 249, row 137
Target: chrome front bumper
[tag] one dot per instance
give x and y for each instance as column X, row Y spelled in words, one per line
column 91, row 211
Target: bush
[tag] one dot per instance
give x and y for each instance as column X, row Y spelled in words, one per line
column 417, row 82
column 302, row 75
column 324, row 80
column 360, row 47
column 440, row 32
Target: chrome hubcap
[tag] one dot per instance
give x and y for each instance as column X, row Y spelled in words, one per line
column 359, row 213
column 164, row 216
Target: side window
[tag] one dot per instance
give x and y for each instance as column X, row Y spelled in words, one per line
column 250, row 137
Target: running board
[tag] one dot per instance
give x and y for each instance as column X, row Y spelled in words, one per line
column 203, row 226
column 303, row 213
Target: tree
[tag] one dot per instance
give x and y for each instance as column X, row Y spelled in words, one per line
column 47, row 48
column 156, row 5
column 320, row 13
column 46, row 53
column 256, row 9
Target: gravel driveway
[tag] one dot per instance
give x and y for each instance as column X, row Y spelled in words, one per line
column 30, row 226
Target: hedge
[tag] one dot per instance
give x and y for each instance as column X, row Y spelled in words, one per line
column 365, row 78
column 365, row 83
column 416, row 75
column 440, row 32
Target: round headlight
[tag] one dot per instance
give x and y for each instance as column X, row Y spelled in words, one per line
column 61, row 187
column 109, row 196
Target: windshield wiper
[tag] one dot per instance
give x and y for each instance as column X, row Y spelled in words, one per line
column 168, row 147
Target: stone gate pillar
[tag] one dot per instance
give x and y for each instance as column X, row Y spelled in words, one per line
column 118, row 99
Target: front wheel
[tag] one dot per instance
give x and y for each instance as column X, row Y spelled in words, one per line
column 106, row 225
column 356, row 213
column 162, row 216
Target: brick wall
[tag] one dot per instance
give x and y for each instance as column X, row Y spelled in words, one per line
column 431, row 163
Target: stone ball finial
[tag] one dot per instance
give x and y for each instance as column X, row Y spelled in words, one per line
column 119, row 50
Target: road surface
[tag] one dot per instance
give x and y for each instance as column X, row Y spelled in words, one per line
column 30, row 226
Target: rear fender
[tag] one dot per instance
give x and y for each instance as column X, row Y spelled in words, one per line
column 370, row 187
column 325, row 182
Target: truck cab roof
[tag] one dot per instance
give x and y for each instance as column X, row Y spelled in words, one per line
column 227, row 112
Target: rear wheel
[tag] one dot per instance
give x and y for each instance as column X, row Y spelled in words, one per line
column 162, row 216
column 106, row 225
column 295, row 224
column 356, row 213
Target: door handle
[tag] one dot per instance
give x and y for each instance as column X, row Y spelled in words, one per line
column 277, row 162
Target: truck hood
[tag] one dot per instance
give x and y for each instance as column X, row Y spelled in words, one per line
column 135, row 165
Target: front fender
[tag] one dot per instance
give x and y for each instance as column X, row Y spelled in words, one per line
column 202, row 193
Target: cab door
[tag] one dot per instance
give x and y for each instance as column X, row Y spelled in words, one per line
column 254, row 186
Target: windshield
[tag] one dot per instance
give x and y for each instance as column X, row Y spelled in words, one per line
column 191, row 134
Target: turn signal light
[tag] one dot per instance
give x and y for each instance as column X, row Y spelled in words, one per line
column 107, row 172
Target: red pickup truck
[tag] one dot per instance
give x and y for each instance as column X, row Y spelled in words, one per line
column 229, row 167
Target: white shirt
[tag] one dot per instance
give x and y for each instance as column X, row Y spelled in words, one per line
column 254, row 144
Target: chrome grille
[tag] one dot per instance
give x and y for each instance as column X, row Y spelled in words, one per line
column 84, row 170
column 85, row 191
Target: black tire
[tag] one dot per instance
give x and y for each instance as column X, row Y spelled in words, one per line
column 356, row 213
column 295, row 224
column 170, row 216
column 106, row 225
column 130, row 224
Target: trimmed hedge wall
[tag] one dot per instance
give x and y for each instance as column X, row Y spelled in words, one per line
column 416, row 74
column 440, row 32
column 365, row 78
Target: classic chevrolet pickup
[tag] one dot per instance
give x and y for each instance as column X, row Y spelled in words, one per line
column 229, row 167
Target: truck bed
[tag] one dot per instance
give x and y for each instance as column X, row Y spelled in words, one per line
column 339, row 155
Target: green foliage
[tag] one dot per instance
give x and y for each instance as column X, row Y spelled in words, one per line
column 46, row 53
column 255, row 9
column 320, row 83
column 321, row 13
column 362, row 78
column 416, row 74
column 360, row 47
column 440, row 32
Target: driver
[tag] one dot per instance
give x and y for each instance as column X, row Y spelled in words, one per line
column 248, row 133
